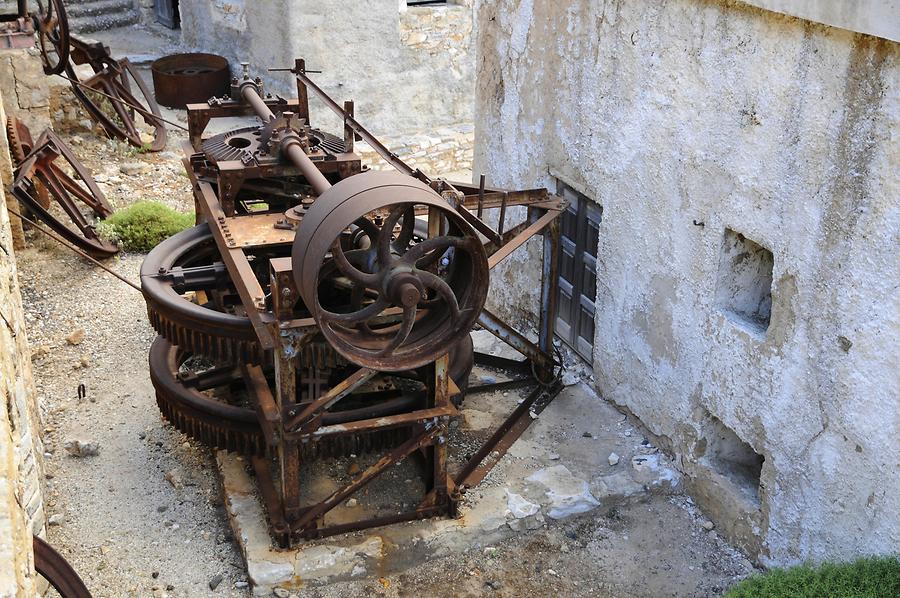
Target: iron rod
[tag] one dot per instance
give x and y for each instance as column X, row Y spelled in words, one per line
column 118, row 99
column 289, row 145
column 73, row 248
column 481, row 196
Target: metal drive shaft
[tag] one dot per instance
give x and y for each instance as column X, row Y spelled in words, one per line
column 290, row 142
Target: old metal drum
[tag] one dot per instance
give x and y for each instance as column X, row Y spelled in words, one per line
column 181, row 79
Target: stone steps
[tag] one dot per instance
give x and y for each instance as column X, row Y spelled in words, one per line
column 88, row 16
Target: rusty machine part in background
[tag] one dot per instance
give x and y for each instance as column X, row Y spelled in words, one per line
column 16, row 30
column 20, row 141
column 112, row 95
column 20, row 145
column 52, row 27
column 49, row 21
column 320, row 310
column 181, row 79
column 51, row 167
column 51, row 565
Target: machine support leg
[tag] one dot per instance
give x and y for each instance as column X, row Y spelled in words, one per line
column 549, row 287
column 288, row 451
column 439, row 453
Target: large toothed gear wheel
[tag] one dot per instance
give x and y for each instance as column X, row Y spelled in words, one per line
column 20, row 141
column 185, row 266
column 209, row 403
column 20, row 145
column 380, row 300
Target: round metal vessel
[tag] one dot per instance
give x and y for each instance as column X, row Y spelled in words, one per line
column 181, row 79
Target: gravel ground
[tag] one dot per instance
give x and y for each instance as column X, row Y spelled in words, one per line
column 144, row 516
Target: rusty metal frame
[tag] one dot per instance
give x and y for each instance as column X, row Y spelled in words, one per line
column 287, row 422
column 110, row 80
column 38, row 179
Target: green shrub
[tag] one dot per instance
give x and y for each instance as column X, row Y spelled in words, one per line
column 872, row 577
column 144, row 225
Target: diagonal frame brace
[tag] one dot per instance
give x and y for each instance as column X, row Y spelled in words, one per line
column 410, row 446
column 335, row 394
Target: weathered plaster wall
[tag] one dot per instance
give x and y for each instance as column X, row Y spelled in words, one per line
column 780, row 130
column 21, row 496
column 410, row 71
column 27, row 97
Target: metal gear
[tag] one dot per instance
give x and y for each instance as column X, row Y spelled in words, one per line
column 229, row 423
column 207, row 329
column 20, row 145
column 20, row 140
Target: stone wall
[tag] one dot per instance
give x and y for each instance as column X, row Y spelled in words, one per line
column 410, row 71
column 21, row 453
column 26, row 92
column 746, row 163
column 447, row 151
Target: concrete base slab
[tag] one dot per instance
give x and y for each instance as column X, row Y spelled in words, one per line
column 559, row 468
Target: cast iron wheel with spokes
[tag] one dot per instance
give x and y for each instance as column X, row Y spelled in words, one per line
column 402, row 304
column 52, row 29
column 53, row 167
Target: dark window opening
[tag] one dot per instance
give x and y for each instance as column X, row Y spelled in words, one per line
column 167, row 13
column 732, row 458
column 579, row 238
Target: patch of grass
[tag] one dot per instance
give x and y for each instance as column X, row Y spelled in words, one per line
column 871, row 577
column 144, row 225
column 134, row 151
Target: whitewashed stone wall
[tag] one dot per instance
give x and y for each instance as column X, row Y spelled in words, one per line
column 409, row 70
column 21, row 496
column 446, row 151
column 769, row 330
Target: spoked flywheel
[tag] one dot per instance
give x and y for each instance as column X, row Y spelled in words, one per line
column 52, row 29
column 381, row 300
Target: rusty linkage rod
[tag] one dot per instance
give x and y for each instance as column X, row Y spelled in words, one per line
column 73, row 248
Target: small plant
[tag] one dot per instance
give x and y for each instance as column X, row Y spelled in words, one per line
column 144, row 225
column 134, row 151
column 871, row 577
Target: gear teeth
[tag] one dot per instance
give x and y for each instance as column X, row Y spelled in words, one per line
column 245, row 436
column 217, row 348
column 20, row 140
column 234, row 350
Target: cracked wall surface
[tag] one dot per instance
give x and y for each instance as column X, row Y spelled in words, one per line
column 21, row 453
column 684, row 120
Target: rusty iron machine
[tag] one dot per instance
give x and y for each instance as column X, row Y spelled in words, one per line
column 320, row 309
